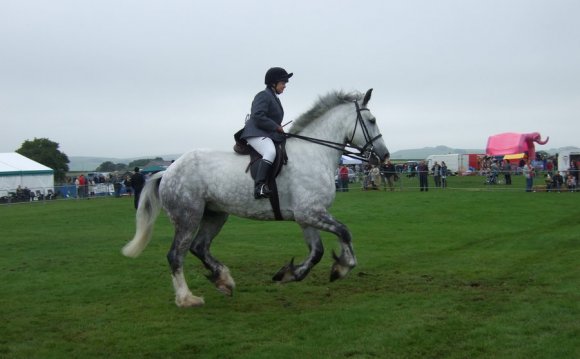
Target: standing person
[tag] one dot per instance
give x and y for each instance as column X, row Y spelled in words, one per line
column 117, row 185
column 82, row 189
column 389, row 172
column 557, row 181
column 550, row 167
column 528, row 172
column 375, row 175
column 443, row 175
column 343, row 178
column 522, row 163
column 423, row 170
column 574, row 170
column 137, row 182
column 264, row 127
column 507, row 172
column 549, row 182
column 436, row 169
column 127, row 183
column 571, row 183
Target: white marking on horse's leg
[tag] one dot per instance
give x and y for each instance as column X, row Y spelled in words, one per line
column 225, row 283
column 183, row 296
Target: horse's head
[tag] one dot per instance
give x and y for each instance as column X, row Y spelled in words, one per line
column 366, row 135
column 343, row 126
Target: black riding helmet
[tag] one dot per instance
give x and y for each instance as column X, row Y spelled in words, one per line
column 275, row 75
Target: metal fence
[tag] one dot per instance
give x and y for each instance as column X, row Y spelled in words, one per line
column 66, row 191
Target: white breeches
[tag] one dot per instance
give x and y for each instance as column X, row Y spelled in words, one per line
column 264, row 146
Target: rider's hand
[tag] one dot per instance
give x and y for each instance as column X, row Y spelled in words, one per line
column 280, row 129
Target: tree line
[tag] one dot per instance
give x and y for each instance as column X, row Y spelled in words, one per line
column 46, row 152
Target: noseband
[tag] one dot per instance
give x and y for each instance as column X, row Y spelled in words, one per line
column 369, row 146
column 364, row 153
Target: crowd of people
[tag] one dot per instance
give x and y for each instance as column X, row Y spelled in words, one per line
column 495, row 171
column 123, row 184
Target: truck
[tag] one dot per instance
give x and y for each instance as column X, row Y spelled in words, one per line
column 457, row 163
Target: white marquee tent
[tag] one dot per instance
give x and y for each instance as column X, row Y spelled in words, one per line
column 345, row 160
column 17, row 170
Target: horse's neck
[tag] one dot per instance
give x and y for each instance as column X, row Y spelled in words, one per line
column 333, row 126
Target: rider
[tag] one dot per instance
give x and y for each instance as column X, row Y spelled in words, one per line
column 264, row 127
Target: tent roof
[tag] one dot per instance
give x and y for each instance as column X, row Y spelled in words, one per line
column 13, row 163
column 345, row 160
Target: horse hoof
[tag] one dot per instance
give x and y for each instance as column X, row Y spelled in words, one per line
column 225, row 283
column 189, row 302
column 339, row 271
column 286, row 273
column 226, row 290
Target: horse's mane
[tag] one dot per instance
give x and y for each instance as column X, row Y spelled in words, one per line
column 324, row 103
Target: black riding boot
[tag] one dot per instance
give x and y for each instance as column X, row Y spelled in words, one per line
column 261, row 189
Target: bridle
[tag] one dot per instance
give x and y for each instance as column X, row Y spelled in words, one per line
column 364, row 153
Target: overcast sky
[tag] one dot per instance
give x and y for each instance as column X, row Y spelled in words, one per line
column 117, row 78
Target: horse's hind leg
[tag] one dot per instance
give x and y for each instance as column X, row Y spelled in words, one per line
column 211, row 224
column 184, row 229
column 291, row 272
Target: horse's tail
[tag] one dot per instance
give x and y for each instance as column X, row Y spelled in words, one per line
column 147, row 212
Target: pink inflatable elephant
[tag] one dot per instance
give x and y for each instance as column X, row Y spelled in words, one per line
column 510, row 143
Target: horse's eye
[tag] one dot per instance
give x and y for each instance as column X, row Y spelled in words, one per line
column 373, row 120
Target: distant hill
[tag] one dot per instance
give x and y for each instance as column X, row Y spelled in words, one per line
column 81, row 163
column 422, row 153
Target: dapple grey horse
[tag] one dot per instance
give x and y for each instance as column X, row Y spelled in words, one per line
column 200, row 189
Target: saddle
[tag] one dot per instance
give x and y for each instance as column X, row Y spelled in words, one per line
column 241, row 147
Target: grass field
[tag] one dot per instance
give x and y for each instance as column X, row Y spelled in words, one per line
column 445, row 274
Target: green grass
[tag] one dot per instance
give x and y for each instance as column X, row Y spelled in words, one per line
column 445, row 274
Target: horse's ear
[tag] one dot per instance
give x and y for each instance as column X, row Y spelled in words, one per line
column 367, row 97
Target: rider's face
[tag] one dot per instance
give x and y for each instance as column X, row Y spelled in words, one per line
column 279, row 87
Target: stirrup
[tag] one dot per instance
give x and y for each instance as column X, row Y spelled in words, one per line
column 262, row 191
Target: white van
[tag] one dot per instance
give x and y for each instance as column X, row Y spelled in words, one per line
column 564, row 158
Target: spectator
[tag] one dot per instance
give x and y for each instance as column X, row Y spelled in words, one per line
column 436, row 169
column 443, row 175
column 548, row 180
column 423, row 171
column 507, row 172
column 557, row 181
column 82, row 186
column 389, row 175
column 137, row 182
column 571, row 183
column 573, row 170
column 550, row 167
column 127, row 183
column 528, row 172
column 375, row 176
column 343, row 179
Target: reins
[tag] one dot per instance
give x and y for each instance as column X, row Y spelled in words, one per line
column 368, row 147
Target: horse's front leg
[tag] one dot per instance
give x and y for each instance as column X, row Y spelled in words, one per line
column 346, row 261
column 291, row 272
